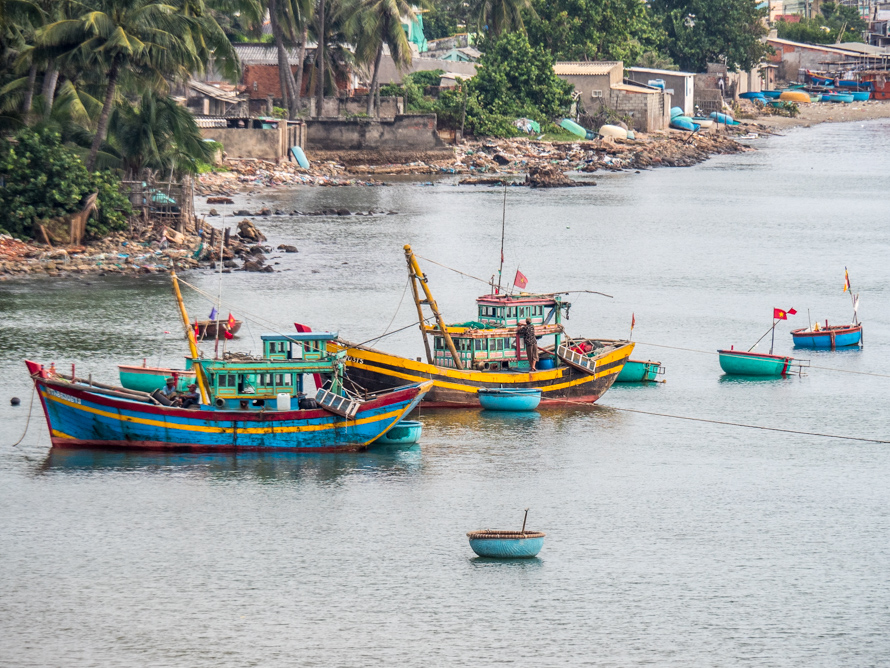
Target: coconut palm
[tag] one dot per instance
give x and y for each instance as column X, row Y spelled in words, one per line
column 498, row 16
column 156, row 134
column 379, row 25
column 148, row 40
column 290, row 22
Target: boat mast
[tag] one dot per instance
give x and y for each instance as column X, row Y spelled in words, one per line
column 417, row 277
column 503, row 229
column 222, row 239
column 193, row 346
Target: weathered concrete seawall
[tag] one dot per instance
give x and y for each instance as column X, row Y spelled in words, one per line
column 405, row 138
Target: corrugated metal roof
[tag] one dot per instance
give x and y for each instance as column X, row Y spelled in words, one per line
column 267, row 54
column 212, row 91
column 210, row 122
column 630, row 88
column 593, row 68
column 649, row 70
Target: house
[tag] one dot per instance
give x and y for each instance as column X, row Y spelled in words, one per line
column 465, row 54
column 600, row 84
column 681, row 85
column 793, row 58
column 215, row 99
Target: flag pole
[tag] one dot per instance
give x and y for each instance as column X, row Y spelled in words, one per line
column 772, row 343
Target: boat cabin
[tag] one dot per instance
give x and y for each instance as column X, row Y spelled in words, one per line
column 245, row 383
column 493, row 343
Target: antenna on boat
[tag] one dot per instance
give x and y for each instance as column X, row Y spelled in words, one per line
column 222, row 239
column 503, row 229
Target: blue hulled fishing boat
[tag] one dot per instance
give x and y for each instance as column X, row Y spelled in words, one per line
column 829, row 337
column 245, row 403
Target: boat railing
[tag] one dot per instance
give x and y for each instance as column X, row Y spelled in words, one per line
column 336, row 404
column 575, row 358
column 797, row 366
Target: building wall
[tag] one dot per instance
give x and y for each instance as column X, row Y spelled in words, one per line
column 389, row 73
column 414, row 132
column 649, row 112
column 792, row 58
column 682, row 86
column 270, row 144
column 587, row 84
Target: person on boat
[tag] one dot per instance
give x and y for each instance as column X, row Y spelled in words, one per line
column 169, row 390
column 191, row 398
column 527, row 333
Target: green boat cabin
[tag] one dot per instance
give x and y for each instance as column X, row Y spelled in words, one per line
column 492, row 343
column 244, row 383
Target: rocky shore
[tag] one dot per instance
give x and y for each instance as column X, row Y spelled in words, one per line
column 154, row 252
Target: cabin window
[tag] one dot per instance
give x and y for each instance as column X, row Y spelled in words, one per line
column 282, row 347
column 227, row 380
column 439, row 343
column 481, row 345
column 283, row 380
column 500, row 312
column 499, row 344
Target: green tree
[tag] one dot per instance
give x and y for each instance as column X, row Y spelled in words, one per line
column 158, row 134
column 698, row 32
column 592, row 29
column 496, row 17
column 379, row 24
column 147, row 40
column 838, row 16
column 45, row 180
column 516, row 78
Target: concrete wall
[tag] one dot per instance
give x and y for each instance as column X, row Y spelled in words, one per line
column 389, row 73
column 586, row 84
column 791, row 58
column 272, row 144
column 415, row 132
column 649, row 112
column 681, row 87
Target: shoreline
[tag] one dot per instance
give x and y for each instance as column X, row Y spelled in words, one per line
column 480, row 162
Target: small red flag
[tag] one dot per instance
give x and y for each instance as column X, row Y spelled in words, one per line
column 779, row 314
column 197, row 329
column 230, row 323
column 227, row 333
column 791, row 311
column 520, row 281
column 633, row 321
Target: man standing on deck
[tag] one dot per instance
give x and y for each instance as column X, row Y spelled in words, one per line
column 527, row 333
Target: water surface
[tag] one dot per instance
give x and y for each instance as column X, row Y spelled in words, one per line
column 669, row 542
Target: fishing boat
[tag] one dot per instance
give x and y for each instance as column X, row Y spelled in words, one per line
column 828, row 337
column 518, row 399
column 406, row 432
column 488, row 353
column 703, row 122
column 150, row 378
column 506, row 544
column 748, row 363
column 845, row 98
column 247, row 403
column 743, row 363
column 636, row 371
column 684, row 123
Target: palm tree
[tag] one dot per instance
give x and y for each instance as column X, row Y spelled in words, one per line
column 148, row 40
column 156, row 134
column 500, row 16
column 289, row 18
column 380, row 23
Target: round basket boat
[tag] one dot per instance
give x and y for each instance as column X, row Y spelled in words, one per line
column 510, row 399
column 406, row 432
column 501, row 544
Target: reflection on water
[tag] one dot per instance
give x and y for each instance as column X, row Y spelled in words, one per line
column 531, row 564
column 258, row 466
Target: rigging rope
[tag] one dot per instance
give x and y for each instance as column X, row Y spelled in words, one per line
column 457, row 271
column 398, row 308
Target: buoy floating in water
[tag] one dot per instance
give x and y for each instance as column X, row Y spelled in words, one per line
column 506, row 544
column 15, row 401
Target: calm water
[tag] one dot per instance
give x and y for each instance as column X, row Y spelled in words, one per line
column 669, row 542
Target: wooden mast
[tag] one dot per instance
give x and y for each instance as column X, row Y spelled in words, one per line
column 193, row 346
column 416, row 276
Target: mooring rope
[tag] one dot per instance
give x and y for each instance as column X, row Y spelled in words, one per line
column 747, row 426
column 28, row 420
column 456, row 271
column 711, row 352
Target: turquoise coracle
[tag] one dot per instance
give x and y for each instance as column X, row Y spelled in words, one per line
column 497, row 544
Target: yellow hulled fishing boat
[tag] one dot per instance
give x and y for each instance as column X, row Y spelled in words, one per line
column 490, row 352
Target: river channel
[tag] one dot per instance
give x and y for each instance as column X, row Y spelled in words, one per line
column 669, row 542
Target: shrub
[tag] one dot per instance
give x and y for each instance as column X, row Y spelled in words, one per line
column 46, row 180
